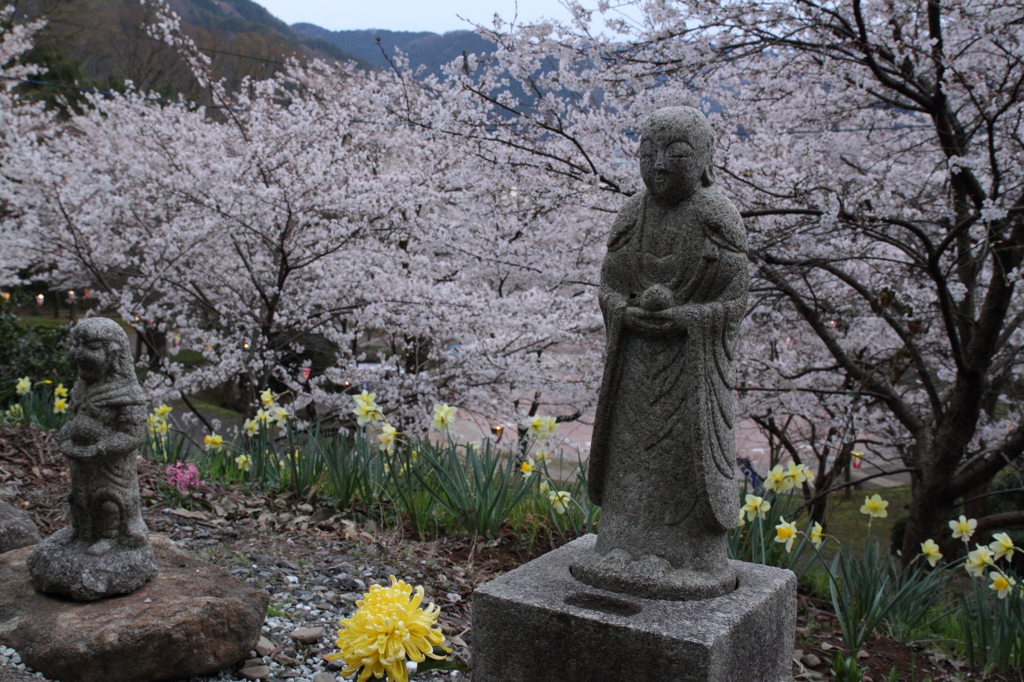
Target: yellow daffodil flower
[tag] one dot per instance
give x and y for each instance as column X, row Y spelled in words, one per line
column 527, row 467
column 786, row 532
column 978, row 560
column 365, row 397
column 931, row 552
column 60, row 406
column 267, row 398
column 162, row 411
column 213, row 442
column 816, row 536
column 777, row 480
column 558, row 500
column 15, row 413
column 1002, row 546
column 797, row 473
column 542, row 428
column 444, row 417
column 544, row 487
column 244, row 463
column 1001, row 584
column 278, row 414
column 262, row 417
column 251, row 427
column 963, row 528
column 542, row 456
column 756, row 506
column 742, row 520
column 388, row 627
column 23, row 386
column 874, row 507
column 367, row 412
column 387, row 436
column 60, row 391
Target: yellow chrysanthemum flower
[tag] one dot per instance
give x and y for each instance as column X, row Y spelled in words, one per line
column 444, row 416
column 388, row 627
column 60, row 406
column 931, row 552
column 874, row 507
column 60, row 391
column 963, row 528
column 23, row 386
column 213, row 442
column 558, row 500
column 786, row 532
column 1002, row 546
column 755, row 506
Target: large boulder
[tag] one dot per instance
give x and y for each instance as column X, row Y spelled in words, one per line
column 192, row 619
column 17, row 529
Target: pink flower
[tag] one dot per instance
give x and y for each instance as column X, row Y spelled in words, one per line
column 182, row 476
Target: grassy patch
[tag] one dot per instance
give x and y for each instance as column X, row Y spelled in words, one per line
column 845, row 521
column 47, row 322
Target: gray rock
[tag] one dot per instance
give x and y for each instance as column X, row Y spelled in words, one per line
column 193, row 619
column 260, row 672
column 307, row 635
column 810, row 660
column 105, row 548
column 17, row 529
column 673, row 292
column 324, row 677
column 265, row 647
column 9, row 674
column 584, row 634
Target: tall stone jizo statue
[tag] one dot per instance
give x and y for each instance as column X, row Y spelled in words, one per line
column 105, row 548
column 673, row 292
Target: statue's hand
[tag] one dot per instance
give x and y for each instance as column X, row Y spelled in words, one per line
column 69, row 449
column 649, row 323
column 673, row 321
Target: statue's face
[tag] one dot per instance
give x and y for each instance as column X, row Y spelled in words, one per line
column 90, row 355
column 672, row 161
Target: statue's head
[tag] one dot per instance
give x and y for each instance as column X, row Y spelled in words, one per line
column 100, row 350
column 676, row 145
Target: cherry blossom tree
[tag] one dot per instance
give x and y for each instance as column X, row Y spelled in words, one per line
column 875, row 149
column 300, row 213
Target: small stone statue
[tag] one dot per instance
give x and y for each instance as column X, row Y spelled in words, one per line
column 673, row 292
column 105, row 548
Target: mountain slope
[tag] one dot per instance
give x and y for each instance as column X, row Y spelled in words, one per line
column 429, row 49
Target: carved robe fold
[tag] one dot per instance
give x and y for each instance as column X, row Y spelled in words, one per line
column 663, row 454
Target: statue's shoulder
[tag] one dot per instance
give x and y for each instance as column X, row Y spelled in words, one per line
column 721, row 219
column 626, row 221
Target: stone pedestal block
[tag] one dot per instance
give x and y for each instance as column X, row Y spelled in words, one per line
column 539, row 624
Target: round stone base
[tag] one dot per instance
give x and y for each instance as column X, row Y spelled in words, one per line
column 650, row 577
column 72, row 568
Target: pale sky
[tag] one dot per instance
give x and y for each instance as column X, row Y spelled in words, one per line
column 438, row 16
